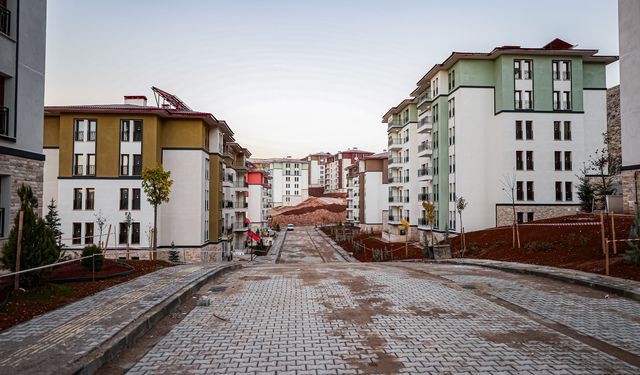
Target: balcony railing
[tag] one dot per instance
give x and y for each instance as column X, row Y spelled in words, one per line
column 240, row 184
column 395, row 124
column 4, row 122
column 227, row 204
column 424, row 146
column 424, row 197
column 425, row 121
column 397, row 199
column 425, row 171
column 240, row 226
column 422, row 222
column 5, row 20
column 395, row 141
column 240, row 205
column 395, row 160
column 393, row 218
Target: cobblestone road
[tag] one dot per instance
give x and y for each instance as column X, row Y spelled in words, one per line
column 348, row 318
column 50, row 342
column 306, row 245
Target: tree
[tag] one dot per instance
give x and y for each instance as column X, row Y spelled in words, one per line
column 603, row 186
column 174, row 256
column 127, row 224
column 509, row 188
column 156, row 183
column 101, row 222
column 632, row 255
column 586, row 191
column 38, row 247
column 94, row 263
column 430, row 218
column 461, row 204
column 53, row 221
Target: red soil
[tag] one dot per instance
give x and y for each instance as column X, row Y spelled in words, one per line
column 371, row 241
column 76, row 270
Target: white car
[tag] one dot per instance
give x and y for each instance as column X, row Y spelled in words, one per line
column 290, row 227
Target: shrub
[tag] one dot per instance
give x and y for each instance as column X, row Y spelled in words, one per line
column 583, row 240
column 97, row 261
column 277, row 227
column 538, row 246
column 633, row 254
column 174, row 256
column 39, row 246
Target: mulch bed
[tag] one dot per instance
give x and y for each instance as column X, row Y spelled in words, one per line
column 389, row 251
column 573, row 247
column 23, row 305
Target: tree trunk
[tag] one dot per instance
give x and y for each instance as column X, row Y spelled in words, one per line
column 155, row 232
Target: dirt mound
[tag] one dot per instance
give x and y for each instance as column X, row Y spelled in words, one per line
column 575, row 247
column 312, row 211
column 335, row 195
column 364, row 247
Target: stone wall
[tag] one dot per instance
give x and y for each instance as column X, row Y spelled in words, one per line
column 629, row 191
column 22, row 171
column 614, row 139
column 504, row 214
column 209, row 253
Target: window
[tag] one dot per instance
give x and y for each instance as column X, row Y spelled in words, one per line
column 135, row 233
column 530, row 195
column 91, row 164
column 135, row 200
column 452, row 108
column 528, row 100
column 452, row 79
column 557, row 136
column 558, row 160
column 529, row 216
column 567, row 130
column 88, row 233
column 529, row 130
column 78, row 131
column 556, row 100
column 77, row 199
column 77, row 234
column 124, row 165
column 517, row 67
column 137, row 165
column 555, row 67
column 519, row 162
column 518, row 130
column 519, row 191
column 567, row 161
column 137, row 131
column 124, row 131
column 566, row 70
column 91, row 135
column 558, row 190
column 78, row 164
column 518, row 100
column 88, row 205
column 520, row 216
column 529, row 160
column 124, row 199
column 566, row 100
column 528, row 71
column 123, row 238
column 568, row 191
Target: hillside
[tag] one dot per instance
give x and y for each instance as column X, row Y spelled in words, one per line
column 313, row 211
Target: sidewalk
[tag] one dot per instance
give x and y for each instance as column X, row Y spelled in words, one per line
column 78, row 337
column 622, row 287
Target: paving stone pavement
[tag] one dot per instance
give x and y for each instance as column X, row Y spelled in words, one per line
column 306, row 245
column 350, row 318
column 48, row 342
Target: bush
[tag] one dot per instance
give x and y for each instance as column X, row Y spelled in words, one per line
column 97, row 261
column 538, row 246
column 473, row 248
column 277, row 227
column 174, row 256
column 632, row 255
column 39, row 246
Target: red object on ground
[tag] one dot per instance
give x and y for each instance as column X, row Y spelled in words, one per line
column 254, row 236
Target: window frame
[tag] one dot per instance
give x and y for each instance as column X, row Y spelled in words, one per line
column 124, row 199
column 76, row 238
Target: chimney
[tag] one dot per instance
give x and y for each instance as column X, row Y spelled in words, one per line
column 140, row 100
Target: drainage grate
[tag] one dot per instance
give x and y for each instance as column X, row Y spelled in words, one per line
column 217, row 289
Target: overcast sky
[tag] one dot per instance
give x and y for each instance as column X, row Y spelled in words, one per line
column 293, row 77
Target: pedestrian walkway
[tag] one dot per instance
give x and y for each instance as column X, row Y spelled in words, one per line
column 66, row 339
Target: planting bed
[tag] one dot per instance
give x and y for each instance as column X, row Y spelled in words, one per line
column 370, row 241
column 23, row 305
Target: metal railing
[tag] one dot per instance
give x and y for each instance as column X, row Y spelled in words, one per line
column 396, row 199
column 424, row 146
column 393, row 160
column 427, row 120
column 424, row 172
column 395, row 141
column 424, row 197
column 227, row 204
column 240, row 184
column 240, row 205
column 5, row 20
column 4, row 121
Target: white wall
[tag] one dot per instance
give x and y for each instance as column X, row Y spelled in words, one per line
column 255, row 204
column 375, row 196
column 629, row 24
column 50, row 179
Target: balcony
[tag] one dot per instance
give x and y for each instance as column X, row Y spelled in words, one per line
column 395, row 199
column 240, row 185
column 395, row 124
column 240, row 226
column 422, row 222
column 424, row 146
column 395, row 143
column 5, row 20
column 425, row 172
column 227, row 204
column 425, row 123
column 394, row 219
column 424, row 197
column 395, row 160
column 4, row 123
column 424, row 98
column 395, row 179
column 241, row 205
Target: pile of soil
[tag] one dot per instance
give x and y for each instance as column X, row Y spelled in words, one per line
column 573, row 247
column 335, row 195
column 369, row 242
column 313, row 211
column 17, row 307
column 75, row 270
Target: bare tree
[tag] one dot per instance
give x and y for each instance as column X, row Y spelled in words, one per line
column 509, row 187
column 461, row 204
column 101, row 222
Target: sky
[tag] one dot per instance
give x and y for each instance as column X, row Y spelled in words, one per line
column 294, row 77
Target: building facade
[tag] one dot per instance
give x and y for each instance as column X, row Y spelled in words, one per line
column 22, row 63
column 95, row 155
column 289, row 179
column 259, row 197
column 317, row 165
column 235, row 191
column 629, row 24
column 515, row 120
column 335, row 169
column 367, row 189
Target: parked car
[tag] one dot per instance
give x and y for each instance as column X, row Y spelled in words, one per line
column 290, row 227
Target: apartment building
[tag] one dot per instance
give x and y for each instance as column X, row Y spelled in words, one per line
column 530, row 116
column 95, row 155
column 259, row 197
column 317, row 163
column 289, row 179
column 335, row 168
column 367, row 189
column 23, row 24
column 409, row 166
column 629, row 25
column 235, row 191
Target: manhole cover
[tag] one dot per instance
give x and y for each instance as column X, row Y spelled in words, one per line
column 469, row 287
column 217, row 289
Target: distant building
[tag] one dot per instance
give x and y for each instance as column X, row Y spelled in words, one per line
column 21, row 104
column 317, row 165
column 259, row 197
column 235, row 191
column 335, row 169
column 289, row 179
column 367, row 189
column 629, row 24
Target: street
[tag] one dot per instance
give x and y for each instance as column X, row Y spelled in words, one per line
column 312, row 314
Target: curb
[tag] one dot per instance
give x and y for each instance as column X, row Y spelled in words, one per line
column 346, row 256
column 600, row 282
column 91, row 362
column 279, row 249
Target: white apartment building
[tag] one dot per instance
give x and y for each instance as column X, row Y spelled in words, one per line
column 367, row 190
column 317, row 164
column 335, row 169
column 235, row 192
column 259, row 197
column 531, row 115
column 289, row 179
